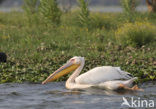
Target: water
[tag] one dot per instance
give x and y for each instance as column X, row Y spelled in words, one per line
column 55, row 96
column 92, row 8
column 114, row 8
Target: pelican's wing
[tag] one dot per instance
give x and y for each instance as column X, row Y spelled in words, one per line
column 102, row 74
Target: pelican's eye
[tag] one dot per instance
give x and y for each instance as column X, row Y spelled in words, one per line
column 72, row 60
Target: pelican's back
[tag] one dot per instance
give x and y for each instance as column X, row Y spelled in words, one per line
column 102, row 74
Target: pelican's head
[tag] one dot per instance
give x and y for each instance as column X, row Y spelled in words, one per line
column 71, row 65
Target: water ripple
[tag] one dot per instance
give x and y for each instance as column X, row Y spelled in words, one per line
column 54, row 95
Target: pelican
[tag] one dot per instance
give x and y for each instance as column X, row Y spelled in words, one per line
column 105, row 77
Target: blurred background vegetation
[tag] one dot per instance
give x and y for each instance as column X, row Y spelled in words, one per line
column 42, row 35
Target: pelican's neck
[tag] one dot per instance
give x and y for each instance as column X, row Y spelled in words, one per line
column 76, row 73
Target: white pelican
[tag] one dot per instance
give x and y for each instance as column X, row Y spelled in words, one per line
column 105, row 77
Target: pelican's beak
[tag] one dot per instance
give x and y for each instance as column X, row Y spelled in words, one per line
column 68, row 67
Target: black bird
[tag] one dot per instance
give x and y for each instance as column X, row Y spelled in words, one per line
column 3, row 57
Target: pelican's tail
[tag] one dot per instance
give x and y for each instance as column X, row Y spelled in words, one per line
column 127, row 85
column 129, row 82
column 133, row 79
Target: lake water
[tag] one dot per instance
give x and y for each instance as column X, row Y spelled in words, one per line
column 55, row 96
column 92, row 8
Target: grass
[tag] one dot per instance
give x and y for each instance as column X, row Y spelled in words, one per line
column 36, row 49
column 136, row 34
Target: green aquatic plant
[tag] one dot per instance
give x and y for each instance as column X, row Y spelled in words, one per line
column 50, row 11
column 84, row 18
column 129, row 9
column 30, row 6
column 35, row 51
column 136, row 34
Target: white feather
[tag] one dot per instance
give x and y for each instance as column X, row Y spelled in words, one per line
column 102, row 74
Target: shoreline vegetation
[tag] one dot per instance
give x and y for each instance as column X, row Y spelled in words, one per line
column 40, row 40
